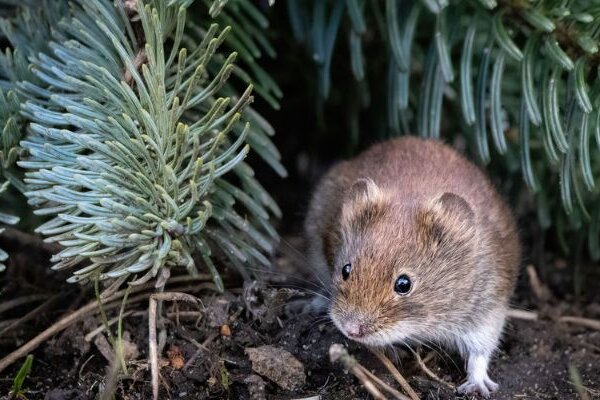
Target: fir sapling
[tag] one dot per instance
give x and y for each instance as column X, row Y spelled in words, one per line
column 136, row 141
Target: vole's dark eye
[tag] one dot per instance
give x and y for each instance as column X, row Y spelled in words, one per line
column 346, row 271
column 402, row 285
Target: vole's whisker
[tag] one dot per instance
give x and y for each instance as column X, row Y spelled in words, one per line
column 292, row 251
column 300, row 288
column 291, row 277
column 443, row 354
column 304, row 263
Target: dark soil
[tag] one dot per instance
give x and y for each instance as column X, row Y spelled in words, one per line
column 206, row 354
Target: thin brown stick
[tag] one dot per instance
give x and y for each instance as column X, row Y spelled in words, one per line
column 7, row 322
column 337, row 352
column 429, row 357
column 200, row 346
column 185, row 315
column 430, row 373
column 153, row 346
column 102, row 328
column 587, row 322
column 47, row 334
column 109, row 292
column 540, row 290
column 522, row 314
column 30, row 315
column 176, row 296
column 75, row 316
column 62, row 324
column 19, row 301
column 397, row 395
column 152, row 322
column 396, row 374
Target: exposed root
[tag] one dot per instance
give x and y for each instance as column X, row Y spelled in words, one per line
column 396, row 374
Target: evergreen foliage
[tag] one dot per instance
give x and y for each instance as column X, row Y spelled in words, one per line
column 135, row 135
column 523, row 75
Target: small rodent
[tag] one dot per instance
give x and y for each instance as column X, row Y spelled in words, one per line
column 420, row 248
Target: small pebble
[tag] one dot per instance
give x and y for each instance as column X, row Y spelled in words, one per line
column 225, row 330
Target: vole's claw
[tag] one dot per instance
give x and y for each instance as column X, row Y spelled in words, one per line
column 484, row 388
column 470, row 387
column 491, row 385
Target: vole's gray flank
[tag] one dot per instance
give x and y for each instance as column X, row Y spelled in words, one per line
column 420, row 247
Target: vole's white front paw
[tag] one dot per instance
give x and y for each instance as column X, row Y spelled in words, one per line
column 484, row 386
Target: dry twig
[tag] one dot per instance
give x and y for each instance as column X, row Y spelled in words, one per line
column 587, row 322
column 201, row 347
column 396, row 374
column 522, row 314
column 30, row 315
column 152, row 319
column 102, row 328
column 109, row 302
column 397, row 395
column 430, row 373
column 19, row 301
column 540, row 290
column 337, row 352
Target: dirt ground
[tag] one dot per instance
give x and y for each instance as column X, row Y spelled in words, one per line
column 250, row 343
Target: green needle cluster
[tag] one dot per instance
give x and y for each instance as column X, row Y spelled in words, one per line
column 134, row 138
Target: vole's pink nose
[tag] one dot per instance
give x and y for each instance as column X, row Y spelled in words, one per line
column 354, row 329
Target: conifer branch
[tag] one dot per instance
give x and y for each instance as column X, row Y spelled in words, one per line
column 136, row 138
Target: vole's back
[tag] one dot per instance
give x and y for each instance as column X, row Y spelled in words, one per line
column 417, row 170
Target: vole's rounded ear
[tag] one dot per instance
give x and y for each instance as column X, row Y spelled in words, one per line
column 364, row 202
column 364, row 188
column 448, row 217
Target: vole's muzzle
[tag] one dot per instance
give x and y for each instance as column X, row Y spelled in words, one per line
column 355, row 326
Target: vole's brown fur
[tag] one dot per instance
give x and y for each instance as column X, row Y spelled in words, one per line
column 416, row 207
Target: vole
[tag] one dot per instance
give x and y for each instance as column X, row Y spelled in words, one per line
column 420, row 247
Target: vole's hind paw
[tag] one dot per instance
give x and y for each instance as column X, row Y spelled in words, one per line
column 484, row 387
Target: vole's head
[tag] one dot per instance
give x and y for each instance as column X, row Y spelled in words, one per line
column 400, row 270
